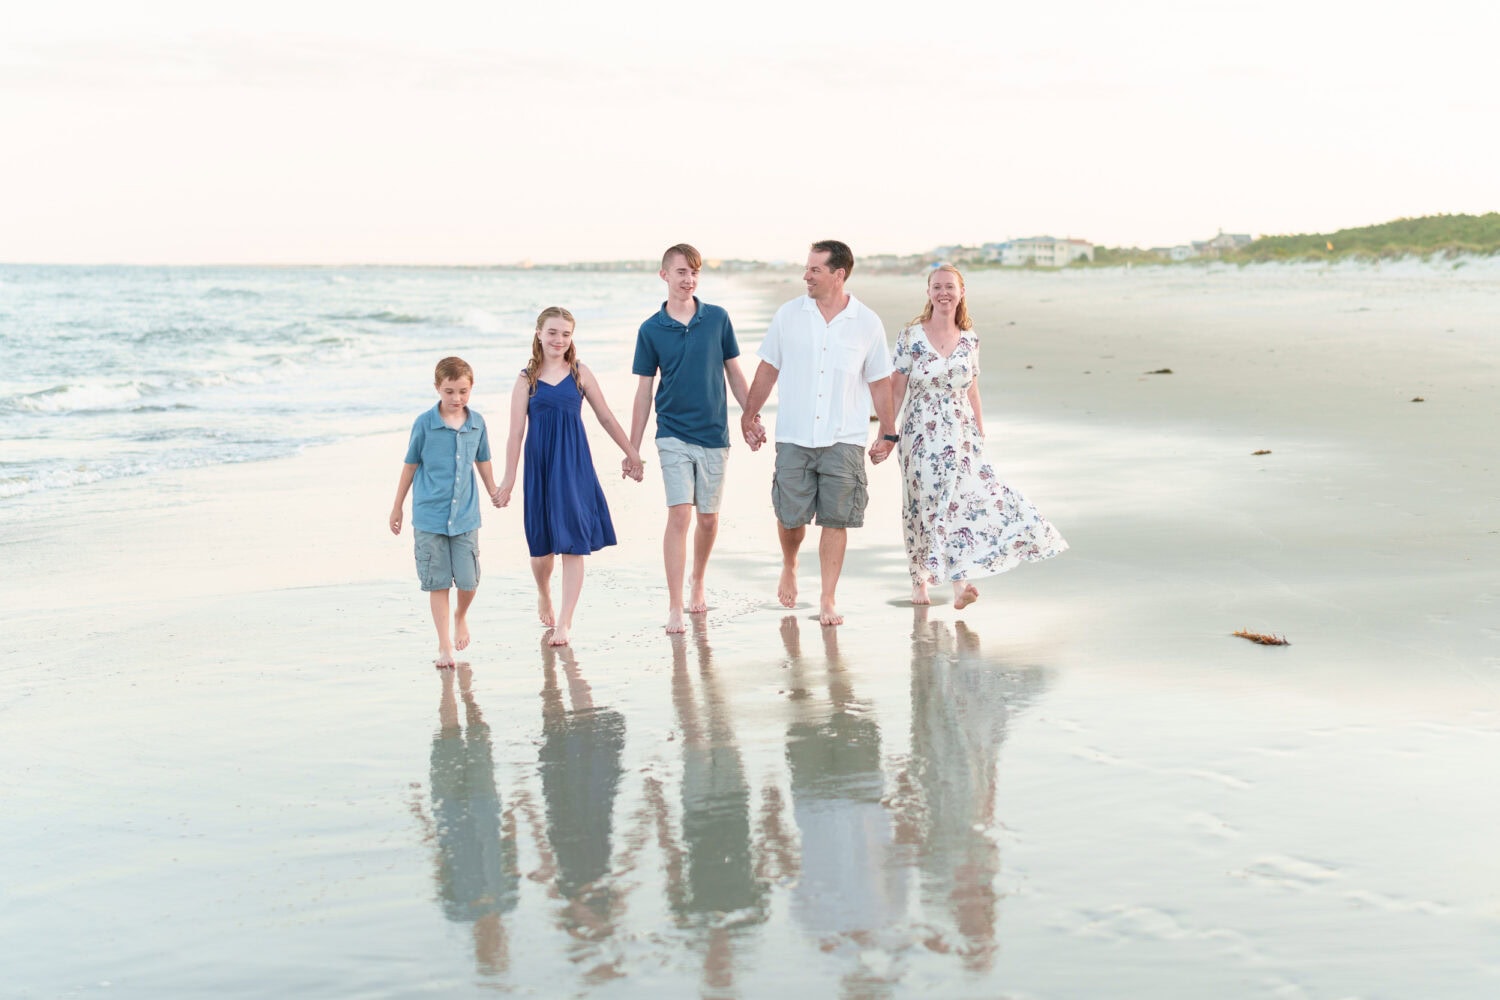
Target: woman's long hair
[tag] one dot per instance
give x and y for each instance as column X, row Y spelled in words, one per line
column 961, row 315
column 571, row 357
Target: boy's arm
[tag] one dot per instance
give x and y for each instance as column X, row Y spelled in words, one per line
column 487, row 476
column 740, row 390
column 520, row 396
column 408, row 473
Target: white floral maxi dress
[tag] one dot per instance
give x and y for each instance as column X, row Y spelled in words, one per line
column 961, row 522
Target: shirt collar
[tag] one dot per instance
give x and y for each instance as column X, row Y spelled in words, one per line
column 665, row 319
column 435, row 418
column 851, row 311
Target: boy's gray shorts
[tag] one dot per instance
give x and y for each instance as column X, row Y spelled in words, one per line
column 445, row 561
column 829, row 482
column 692, row 473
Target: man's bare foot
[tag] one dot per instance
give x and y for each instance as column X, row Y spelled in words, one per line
column 674, row 622
column 828, row 616
column 460, row 633
column 919, row 593
column 963, row 598
column 444, row 659
column 559, row 636
column 786, row 587
column 697, row 598
column 544, row 610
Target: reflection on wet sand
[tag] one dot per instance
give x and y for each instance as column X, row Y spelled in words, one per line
column 477, row 875
column 960, row 703
column 853, row 885
column 580, row 769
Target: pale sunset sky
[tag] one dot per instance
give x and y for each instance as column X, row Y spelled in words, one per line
column 494, row 132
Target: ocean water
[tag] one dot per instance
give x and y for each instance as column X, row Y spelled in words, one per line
column 107, row 372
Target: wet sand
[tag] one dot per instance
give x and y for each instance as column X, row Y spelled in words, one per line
column 230, row 769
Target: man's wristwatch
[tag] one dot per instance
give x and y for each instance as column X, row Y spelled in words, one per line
column 892, row 438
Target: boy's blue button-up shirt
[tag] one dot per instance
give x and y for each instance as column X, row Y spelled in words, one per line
column 445, row 499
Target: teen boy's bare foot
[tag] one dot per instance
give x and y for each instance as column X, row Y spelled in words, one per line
column 460, row 633
column 786, row 587
column 444, row 659
column 674, row 622
column 963, row 598
column 544, row 610
column 919, row 594
column 697, row 598
column 559, row 636
column 828, row 616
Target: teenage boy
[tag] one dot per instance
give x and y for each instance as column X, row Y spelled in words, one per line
column 691, row 344
column 829, row 352
column 448, row 442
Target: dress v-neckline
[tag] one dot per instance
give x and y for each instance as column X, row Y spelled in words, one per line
column 946, row 357
column 560, row 381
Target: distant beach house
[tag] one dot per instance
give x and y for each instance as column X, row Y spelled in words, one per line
column 1043, row 251
column 1217, row 247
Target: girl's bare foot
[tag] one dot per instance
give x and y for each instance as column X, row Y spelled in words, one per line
column 964, row 594
column 544, row 610
column 828, row 616
column 697, row 598
column 460, row 633
column 559, row 636
column 444, row 659
column 786, row 587
column 674, row 622
column 919, row 593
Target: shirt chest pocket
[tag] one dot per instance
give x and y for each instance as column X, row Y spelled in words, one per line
column 848, row 356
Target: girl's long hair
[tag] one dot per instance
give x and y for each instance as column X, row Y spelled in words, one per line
column 961, row 314
column 571, row 357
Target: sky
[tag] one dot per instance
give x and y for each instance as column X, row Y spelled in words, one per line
column 467, row 132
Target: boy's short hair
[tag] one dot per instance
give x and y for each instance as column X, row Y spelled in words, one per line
column 689, row 253
column 839, row 255
column 452, row 369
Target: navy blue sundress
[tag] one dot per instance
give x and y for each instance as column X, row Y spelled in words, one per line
column 564, row 510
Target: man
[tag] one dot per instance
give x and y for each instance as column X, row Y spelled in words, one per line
column 692, row 345
column 828, row 352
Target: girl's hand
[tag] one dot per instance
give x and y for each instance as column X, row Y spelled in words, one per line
column 633, row 466
column 501, row 496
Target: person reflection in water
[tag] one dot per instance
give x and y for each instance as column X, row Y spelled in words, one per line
column 580, row 766
column 852, row 885
column 477, row 874
column 722, row 894
column 960, row 703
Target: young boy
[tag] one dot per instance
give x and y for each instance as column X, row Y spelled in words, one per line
column 692, row 345
column 448, row 443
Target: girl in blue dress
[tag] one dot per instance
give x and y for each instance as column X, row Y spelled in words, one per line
column 563, row 509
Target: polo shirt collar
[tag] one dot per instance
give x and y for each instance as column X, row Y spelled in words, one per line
column 665, row 319
column 435, row 418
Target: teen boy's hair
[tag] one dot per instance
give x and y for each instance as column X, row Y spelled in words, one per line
column 839, row 255
column 689, row 253
column 452, row 369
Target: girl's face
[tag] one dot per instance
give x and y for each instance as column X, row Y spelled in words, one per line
column 944, row 291
column 556, row 336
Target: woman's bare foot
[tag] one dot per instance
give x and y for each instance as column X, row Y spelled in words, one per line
column 674, row 622
column 697, row 598
column 444, row 659
column 544, row 610
column 828, row 616
column 559, row 636
column 919, row 593
column 460, row 632
column 786, row 587
column 964, row 594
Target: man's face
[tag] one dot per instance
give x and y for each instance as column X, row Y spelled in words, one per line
column 817, row 277
column 681, row 278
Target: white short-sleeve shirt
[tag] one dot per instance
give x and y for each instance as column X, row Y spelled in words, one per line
column 823, row 372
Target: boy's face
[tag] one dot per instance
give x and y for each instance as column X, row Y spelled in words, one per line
column 454, row 394
column 681, row 278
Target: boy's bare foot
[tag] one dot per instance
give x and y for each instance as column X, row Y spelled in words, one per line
column 828, row 616
column 444, row 659
column 786, row 587
column 697, row 598
column 460, row 633
column 674, row 622
column 963, row 598
column 919, row 593
column 559, row 636
column 544, row 610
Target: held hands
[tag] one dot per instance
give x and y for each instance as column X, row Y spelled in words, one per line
column 501, row 496
column 632, row 466
column 753, row 429
column 880, row 451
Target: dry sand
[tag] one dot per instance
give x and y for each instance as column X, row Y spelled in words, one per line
column 228, row 767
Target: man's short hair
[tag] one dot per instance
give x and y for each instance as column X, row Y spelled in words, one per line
column 689, row 253
column 839, row 255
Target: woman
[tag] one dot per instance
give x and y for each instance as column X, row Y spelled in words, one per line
column 961, row 522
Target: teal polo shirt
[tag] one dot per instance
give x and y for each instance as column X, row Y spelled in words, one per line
column 445, row 499
column 691, row 402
